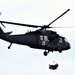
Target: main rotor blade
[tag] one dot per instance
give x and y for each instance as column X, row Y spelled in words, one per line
column 64, row 27
column 20, row 24
column 58, row 17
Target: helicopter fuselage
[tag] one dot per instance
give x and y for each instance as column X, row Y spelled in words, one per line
column 40, row 39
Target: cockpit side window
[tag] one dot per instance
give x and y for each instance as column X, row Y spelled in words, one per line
column 60, row 40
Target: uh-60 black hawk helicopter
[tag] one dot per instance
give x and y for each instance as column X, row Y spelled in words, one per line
column 47, row 40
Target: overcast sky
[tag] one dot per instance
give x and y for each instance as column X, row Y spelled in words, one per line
column 23, row 60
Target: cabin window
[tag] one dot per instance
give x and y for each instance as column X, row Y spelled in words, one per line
column 41, row 37
column 45, row 38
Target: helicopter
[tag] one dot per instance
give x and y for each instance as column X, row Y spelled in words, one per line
column 42, row 38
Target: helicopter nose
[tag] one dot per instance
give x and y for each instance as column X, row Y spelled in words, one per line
column 68, row 45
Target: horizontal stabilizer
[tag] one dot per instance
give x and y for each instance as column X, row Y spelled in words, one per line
column 7, row 33
column 3, row 33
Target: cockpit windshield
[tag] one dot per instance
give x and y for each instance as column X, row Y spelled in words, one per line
column 65, row 39
column 62, row 39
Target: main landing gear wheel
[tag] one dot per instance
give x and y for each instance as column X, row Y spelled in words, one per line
column 46, row 53
column 60, row 51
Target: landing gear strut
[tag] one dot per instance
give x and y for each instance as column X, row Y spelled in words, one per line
column 9, row 46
